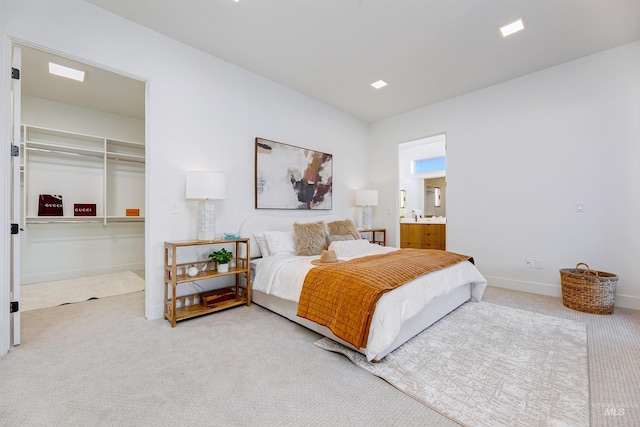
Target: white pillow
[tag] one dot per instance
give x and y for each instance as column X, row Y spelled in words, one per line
column 280, row 242
column 350, row 248
column 262, row 243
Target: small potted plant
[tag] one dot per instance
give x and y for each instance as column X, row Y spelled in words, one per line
column 222, row 257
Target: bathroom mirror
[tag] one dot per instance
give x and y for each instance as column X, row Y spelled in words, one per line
column 435, row 197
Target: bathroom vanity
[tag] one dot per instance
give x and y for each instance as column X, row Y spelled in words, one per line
column 423, row 235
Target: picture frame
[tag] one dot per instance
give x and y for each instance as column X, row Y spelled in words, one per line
column 290, row 177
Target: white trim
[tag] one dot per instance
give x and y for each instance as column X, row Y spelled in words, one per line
column 151, row 311
column 622, row 301
column 5, row 237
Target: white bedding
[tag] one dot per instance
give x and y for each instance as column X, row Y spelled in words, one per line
column 283, row 276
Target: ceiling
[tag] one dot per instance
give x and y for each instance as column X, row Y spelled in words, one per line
column 102, row 89
column 427, row 50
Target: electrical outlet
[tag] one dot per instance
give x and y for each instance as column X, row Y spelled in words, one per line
column 529, row 262
column 539, row 263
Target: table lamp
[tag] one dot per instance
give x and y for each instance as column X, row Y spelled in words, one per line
column 206, row 187
column 366, row 199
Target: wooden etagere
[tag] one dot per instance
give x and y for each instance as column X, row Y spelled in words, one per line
column 196, row 304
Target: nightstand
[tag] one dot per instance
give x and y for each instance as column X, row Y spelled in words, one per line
column 374, row 235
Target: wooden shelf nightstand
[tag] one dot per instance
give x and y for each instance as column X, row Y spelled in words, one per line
column 192, row 305
column 374, row 235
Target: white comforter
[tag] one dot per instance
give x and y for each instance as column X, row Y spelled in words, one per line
column 283, row 276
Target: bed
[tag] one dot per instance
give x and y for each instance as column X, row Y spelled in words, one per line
column 399, row 314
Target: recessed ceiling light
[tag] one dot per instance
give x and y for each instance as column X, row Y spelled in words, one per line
column 514, row 27
column 70, row 73
column 379, row 84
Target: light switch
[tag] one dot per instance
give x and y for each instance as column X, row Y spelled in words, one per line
column 579, row 207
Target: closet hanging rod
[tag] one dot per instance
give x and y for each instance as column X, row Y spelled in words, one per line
column 46, row 150
column 126, row 160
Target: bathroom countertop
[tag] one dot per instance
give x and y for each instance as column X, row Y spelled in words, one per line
column 433, row 220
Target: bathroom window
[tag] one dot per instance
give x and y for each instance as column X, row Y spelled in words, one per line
column 429, row 165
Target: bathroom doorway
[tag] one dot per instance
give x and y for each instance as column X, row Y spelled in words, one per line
column 422, row 177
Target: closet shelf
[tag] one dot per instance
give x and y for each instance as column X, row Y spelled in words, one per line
column 84, row 169
column 81, row 219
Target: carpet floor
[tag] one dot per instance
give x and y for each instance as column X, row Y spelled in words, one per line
column 101, row 363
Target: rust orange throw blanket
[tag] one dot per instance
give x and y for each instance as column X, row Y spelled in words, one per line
column 343, row 296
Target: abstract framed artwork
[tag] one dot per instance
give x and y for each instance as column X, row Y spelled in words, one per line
column 289, row 177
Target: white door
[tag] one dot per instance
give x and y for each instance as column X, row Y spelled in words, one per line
column 16, row 196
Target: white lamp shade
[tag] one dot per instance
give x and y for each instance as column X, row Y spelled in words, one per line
column 206, row 185
column 367, row 198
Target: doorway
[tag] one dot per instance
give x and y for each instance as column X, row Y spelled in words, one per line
column 84, row 142
column 422, row 169
column 422, row 190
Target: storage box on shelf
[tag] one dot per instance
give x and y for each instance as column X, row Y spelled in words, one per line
column 197, row 304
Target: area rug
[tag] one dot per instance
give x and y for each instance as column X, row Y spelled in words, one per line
column 490, row 365
column 51, row 294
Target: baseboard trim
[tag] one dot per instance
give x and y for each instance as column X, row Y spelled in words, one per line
column 624, row 301
column 155, row 312
column 72, row 274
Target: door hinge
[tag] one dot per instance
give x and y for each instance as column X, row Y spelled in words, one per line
column 14, row 228
column 15, row 73
column 14, row 307
column 15, row 150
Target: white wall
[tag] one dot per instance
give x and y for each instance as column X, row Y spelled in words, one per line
column 62, row 251
column 203, row 113
column 57, row 115
column 520, row 155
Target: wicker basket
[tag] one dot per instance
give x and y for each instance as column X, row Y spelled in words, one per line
column 588, row 290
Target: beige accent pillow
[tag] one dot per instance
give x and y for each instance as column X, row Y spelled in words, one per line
column 343, row 227
column 310, row 238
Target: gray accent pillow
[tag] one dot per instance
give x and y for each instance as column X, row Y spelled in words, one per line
column 338, row 237
column 343, row 227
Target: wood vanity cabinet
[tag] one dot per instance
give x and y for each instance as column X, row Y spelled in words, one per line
column 423, row 236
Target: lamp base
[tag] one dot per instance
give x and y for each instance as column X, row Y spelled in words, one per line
column 366, row 217
column 206, row 220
